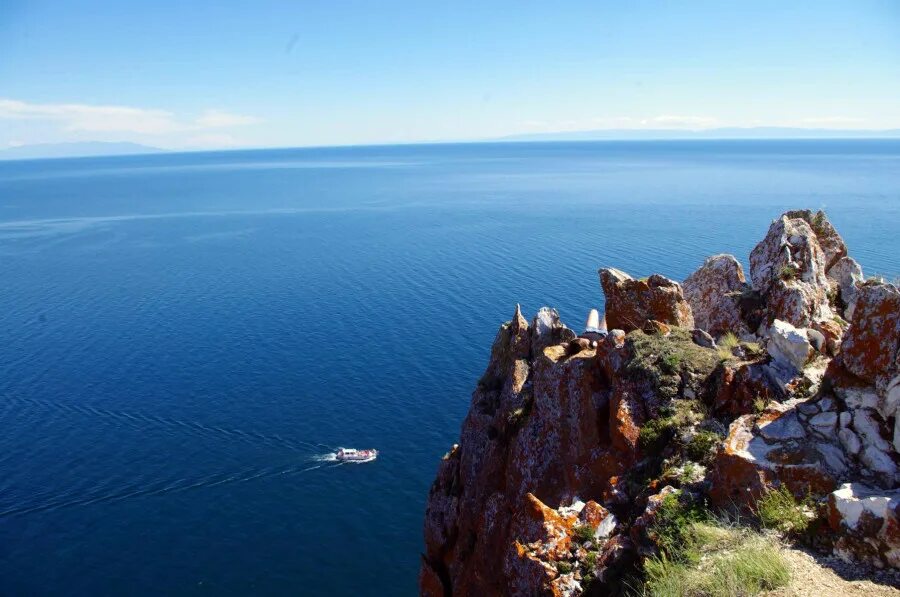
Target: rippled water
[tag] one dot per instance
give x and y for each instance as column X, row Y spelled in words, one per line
column 184, row 336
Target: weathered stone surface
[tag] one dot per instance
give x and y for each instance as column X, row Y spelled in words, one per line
column 631, row 303
column 833, row 334
column 867, row 524
column 871, row 346
column 763, row 451
column 788, row 268
column 740, row 387
column 713, row 292
column 824, row 423
column 548, row 330
column 816, row 339
column 829, row 240
column 598, row 518
column 543, row 537
column 845, row 275
column 788, row 345
column 703, row 338
column 850, row 441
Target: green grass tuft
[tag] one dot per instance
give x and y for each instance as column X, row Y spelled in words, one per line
column 583, row 533
column 656, row 433
column 700, row 447
column 734, row 563
column 789, row 271
column 779, row 510
column 670, row 363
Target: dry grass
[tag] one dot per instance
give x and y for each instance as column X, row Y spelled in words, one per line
column 732, row 563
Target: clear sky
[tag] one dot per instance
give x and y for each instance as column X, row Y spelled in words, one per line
column 200, row 74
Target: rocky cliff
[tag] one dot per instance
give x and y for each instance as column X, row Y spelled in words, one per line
column 719, row 389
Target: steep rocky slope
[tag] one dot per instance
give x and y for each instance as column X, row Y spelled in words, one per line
column 572, row 442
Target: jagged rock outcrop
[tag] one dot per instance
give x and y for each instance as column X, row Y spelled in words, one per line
column 788, row 268
column 571, row 444
column 630, row 303
column 828, row 238
column 714, row 293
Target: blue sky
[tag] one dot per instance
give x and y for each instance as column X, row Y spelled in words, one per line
column 246, row 74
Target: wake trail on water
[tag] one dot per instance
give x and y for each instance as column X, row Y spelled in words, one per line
column 138, row 420
column 105, row 495
column 48, row 501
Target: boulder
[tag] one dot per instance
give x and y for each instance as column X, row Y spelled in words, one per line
column 788, row 269
column 845, row 275
column 713, row 292
column 866, row 522
column 871, row 346
column 702, row 338
column 630, row 303
column 789, row 346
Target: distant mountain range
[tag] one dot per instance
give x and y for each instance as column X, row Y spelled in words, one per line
column 768, row 132
column 74, row 150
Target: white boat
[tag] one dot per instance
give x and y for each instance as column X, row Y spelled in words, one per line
column 354, row 455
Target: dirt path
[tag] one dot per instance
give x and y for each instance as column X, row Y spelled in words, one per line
column 815, row 575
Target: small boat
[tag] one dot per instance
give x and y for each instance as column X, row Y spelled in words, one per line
column 354, row 455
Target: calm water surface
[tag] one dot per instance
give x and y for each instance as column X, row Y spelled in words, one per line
column 183, row 336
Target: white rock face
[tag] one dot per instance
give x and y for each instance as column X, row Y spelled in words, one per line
column 850, row 441
column 824, row 423
column 867, row 427
column 606, row 527
column 548, row 330
column 846, row 274
column 785, row 427
column 864, row 520
column 845, row 419
column 891, row 408
column 852, row 499
column 788, row 345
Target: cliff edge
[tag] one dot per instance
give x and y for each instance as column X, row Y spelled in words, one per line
column 704, row 396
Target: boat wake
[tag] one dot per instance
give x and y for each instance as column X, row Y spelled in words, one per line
column 329, row 457
column 49, row 501
column 105, row 495
column 139, row 421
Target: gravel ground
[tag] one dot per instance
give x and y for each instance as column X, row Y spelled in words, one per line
column 816, row 575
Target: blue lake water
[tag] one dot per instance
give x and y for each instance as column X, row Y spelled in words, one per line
column 179, row 332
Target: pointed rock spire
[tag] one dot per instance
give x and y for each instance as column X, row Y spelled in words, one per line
column 518, row 323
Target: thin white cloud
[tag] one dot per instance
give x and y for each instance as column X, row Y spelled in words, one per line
column 119, row 119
